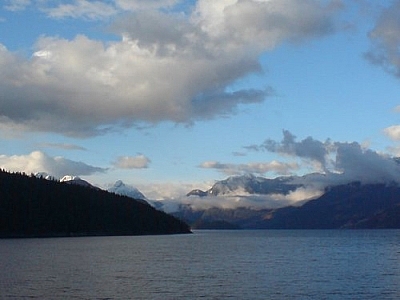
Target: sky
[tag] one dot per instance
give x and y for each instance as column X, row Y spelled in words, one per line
column 170, row 95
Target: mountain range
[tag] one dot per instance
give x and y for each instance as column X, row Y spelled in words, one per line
column 248, row 202
column 352, row 205
column 249, row 184
column 122, row 189
column 344, row 205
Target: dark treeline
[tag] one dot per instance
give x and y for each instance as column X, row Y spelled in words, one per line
column 36, row 207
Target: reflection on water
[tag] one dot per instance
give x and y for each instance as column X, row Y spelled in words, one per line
column 281, row 264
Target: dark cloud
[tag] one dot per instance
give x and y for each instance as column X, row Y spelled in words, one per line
column 339, row 162
column 308, row 148
column 385, row 38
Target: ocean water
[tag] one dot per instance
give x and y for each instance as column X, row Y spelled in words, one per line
column 245, row 264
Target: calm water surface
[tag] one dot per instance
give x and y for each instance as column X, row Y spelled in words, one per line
column 281, row 264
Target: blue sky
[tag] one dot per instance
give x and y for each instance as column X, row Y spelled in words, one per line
column 169, row 95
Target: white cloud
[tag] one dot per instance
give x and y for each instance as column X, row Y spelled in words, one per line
column 92, row 10
column 166, row 67
column 169, row 190
column 260, row 168
column 262, row 24
column 393, row 132
column 37, row 161
column 132, row 162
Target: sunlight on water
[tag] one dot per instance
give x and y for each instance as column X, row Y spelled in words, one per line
column 260, row 264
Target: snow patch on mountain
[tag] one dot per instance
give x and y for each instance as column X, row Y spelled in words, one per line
column 122, row 189
column 69, row 179
column 45, row 175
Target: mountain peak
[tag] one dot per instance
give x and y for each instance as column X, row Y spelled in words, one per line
column 119, row 183
column 70, row 179
column 252, row 184
column 44, row 175
column 120, row 188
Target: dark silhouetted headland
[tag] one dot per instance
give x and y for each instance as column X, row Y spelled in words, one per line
column 36, row 207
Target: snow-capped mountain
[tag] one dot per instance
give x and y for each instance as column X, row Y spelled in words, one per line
column 352, row 205
column 121, row 188
column 69, row 179
column 45, row 176
column 249, row 184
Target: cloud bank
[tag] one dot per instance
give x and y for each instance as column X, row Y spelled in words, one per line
column 259, row 168
column 334, row 163
column 167, row 66
column 340, row 162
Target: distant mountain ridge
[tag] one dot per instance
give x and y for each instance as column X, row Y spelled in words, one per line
column 249, row 184
column 345, row 206
column 352, row 205
column 118, row 188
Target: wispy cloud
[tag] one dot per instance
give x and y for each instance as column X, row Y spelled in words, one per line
column 90, row 10
column 167, row 66
column 169, row 190
column 238, row 153
column 63, row 146
column 38, row 161
column 252, row 168
column 16, row 5
column 132, row 162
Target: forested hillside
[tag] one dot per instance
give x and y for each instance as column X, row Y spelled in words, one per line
column 35, row 207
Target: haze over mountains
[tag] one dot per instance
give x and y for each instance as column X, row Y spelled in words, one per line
column 357, row 186
column 316, row 200
column 340, row 163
